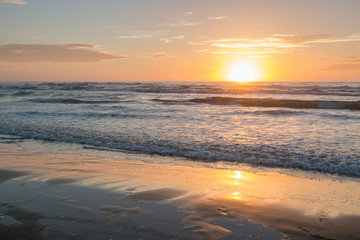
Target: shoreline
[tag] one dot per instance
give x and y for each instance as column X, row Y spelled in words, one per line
column 195, row 200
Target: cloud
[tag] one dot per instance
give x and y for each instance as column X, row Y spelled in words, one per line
column 74, row 52
column 2, row 65
column 343, row 67
column 243, row 52
column 148, row 33
column 80, row 45
column 298, row 39
column 217, row 18
column 13, row 1
column 188, row 13
column 314, row 38
column 136, row 36
column 171, row 39
column 277, row 43
column 159, row 55
column 181, row 23
column 345, row 64
column 352, row 60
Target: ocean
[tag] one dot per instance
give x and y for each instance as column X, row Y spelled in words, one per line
column 306, row 126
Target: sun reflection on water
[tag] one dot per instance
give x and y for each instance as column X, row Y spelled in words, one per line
column 238, row 175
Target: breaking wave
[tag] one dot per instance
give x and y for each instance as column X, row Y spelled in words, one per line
column 261, row 154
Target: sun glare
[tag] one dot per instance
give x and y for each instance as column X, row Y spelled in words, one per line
column 243, row 72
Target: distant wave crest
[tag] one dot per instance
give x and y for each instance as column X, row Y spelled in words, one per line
column 70, row 101
column 274, row 103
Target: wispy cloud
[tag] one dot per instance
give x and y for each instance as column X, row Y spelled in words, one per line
column 342, row 67
column 136, row 36
column 352, row 59
column 217, row 18
column 13, row 1
column 314, row 38
column 348, row 63
column 2, row 65
column 37, row 53
column 188, row 13
column 171, row 39
column 277, row 43
column 182, row 23
column 159, row 55
column 251, row 53
column 152, row 32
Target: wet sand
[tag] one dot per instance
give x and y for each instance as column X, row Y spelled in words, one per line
column 131, row 196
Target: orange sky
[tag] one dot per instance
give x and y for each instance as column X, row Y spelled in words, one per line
column 186, row 40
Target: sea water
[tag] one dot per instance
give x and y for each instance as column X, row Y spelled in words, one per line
column 308, row 126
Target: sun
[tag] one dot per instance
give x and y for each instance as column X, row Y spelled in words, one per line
column 243, row 72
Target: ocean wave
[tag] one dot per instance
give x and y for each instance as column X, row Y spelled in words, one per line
column 168, row 101
column 22, row 93
column 71, row 101
column 275, row 103
column 257, row 154
column 88, row 115
column 340, row 116
column 280, row 112
column 11, row 139
column 120, row 112
column 286, row 113
column 72, row 86
column 328, row 89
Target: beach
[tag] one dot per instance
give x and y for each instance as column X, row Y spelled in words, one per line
column 137, row 196
column 180, row 120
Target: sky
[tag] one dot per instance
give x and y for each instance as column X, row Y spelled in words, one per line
column 178, row 40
